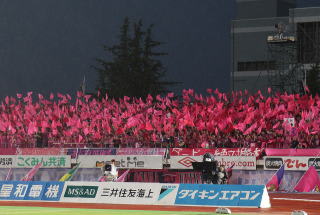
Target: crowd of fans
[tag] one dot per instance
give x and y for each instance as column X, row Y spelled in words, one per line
column 192, row 120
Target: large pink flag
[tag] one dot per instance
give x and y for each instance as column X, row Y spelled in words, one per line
column 308, row 181
column 32, row 172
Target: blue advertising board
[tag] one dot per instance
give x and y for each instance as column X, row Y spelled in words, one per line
column 220, row 195
column 30, row 190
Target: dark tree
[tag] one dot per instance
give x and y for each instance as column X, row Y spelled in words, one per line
column 313, row 79
column 135, row 68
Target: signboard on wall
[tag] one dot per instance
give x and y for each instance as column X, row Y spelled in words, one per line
column 296, row 163
column 240, row 162
column 29, row 161
column 7, row 161
column 122, row 161
column 223, row 195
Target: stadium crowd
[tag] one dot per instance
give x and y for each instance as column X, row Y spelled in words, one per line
column 192, row 120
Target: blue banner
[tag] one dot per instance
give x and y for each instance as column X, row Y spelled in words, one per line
column 30, row 190
column 219, row 195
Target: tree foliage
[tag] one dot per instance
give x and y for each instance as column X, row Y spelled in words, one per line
column 135, row 69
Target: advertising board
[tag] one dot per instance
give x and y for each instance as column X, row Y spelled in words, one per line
column 216, row 152
column 296, row 163
column 223, row 195
column 240, row 162
column 122, row 161
column 29, row 161
column 30, row 190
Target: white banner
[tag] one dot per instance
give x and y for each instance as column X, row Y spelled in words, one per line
column 29, row 161
column 240, row 162
column 129, row 193
column 301, row 163
column 48, row 161
column 119, row 193
column 122, row 161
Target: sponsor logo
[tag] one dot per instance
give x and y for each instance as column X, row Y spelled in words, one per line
column 187, row 161
column 99, row 164
column 315, row 162
column 128, row 162
column 81, row 191
column 165, row 190
column 273, row 163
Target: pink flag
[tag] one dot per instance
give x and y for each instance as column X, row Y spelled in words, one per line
column 274, row 183
column 123, row 176
column 308, row 181
column 31, row 173
column 9, row 175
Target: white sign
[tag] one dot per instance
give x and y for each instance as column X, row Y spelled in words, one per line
column 129, row 193
column 240, row 162
column 301, row 163
column 29, row 161
column 48, row 161
column 7, row 161
column 119, row 193
column 122, row 161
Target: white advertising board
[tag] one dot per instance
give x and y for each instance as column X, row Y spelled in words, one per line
column 129, row 193
column 122, row 161
column 240, row 162
column 119, row 193
column 29, row 161
column 7, row 161
column 48, row 161
column 300, row 163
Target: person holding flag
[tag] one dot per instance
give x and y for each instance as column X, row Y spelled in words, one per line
column 275, row 181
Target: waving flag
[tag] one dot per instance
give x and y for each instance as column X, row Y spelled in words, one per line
column 123, row 176
column 31, row 173
column 308, row 181
column 68, row 176
column 274, row 183
column 9, row 174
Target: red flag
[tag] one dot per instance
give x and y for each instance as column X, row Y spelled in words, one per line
column 308, row 181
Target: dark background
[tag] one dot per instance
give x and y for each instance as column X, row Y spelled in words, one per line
column 48, row 45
